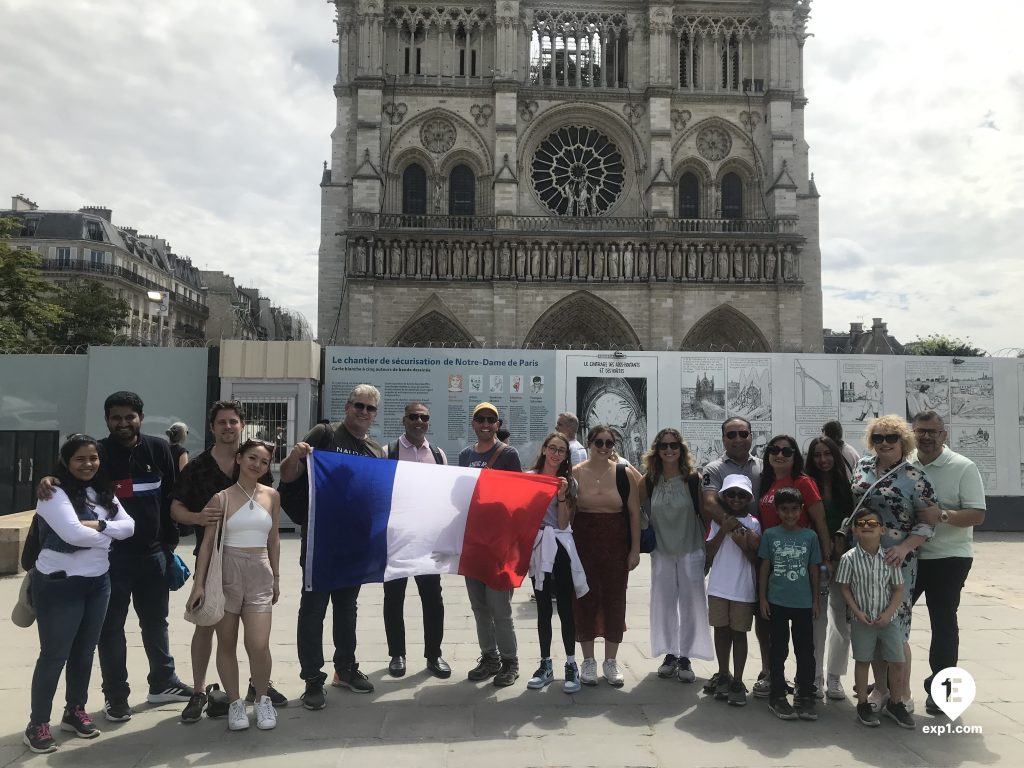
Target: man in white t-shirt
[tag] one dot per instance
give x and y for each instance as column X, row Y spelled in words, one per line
column 568, row 425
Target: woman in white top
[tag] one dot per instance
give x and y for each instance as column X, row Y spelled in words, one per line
column 70, row 587
column 679, row 605
column 251, row 555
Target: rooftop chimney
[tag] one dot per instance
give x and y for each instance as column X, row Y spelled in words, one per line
column 878, row 325
column 856, row 328
column 97, row 210
column 22, row 203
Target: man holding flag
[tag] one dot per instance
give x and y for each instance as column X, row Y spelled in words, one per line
column 350, row 436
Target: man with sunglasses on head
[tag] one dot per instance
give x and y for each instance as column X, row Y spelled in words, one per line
column 349, row 436
column 492, row 608
column 414, row 446
column 737, row 439
column 944, row 561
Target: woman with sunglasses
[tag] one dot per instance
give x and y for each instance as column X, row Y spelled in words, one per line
column 887, row 484
column 555, row 565
column 250, row 570
column 606, row 528
column 827, row 467
column 70, row 587
column 679, row 604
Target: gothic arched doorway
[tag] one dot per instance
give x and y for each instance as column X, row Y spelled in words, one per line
column 725, row 329
column 582, row 320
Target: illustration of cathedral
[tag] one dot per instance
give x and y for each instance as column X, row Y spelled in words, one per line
column 622, row 175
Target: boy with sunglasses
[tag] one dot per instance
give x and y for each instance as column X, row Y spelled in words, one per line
column 731, row 592
column 873, row 591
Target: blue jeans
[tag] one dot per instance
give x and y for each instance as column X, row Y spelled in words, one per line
column 138, row 578
column 69, row 614
column 310, row 631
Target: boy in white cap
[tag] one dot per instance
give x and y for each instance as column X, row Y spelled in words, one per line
column 731, row 587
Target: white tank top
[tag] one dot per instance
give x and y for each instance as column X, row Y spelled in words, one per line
column 248, row 527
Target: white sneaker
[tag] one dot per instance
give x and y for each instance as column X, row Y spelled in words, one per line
column 877, row 699
column 266, row 715
column 835, row 688
column 238, row 718
column 684, row 672
column 588, row 675
column 819, row 688
column 612, row 673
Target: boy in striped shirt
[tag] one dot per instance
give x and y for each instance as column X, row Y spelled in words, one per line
column 873, row 591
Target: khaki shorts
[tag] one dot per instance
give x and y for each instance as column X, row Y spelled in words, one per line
column 870, row 643
column 248, row 581
column 735, row 615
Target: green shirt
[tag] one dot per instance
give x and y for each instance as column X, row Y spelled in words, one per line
column 792, row 554
column 958, row 485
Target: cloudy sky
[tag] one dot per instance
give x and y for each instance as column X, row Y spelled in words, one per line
column 207, row 123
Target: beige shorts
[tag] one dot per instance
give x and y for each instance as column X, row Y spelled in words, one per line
column 248, row 581
column 737, row 616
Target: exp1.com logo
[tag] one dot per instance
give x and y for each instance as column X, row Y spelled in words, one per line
column 953, row 690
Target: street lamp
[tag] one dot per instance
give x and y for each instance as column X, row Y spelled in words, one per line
column 159, row 307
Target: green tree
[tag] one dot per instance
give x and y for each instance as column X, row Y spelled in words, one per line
column 27, row 310
column 940, row 345
column 93, row 314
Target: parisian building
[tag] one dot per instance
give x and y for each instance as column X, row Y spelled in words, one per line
column 618, row 175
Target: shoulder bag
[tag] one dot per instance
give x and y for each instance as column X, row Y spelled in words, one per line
column 211, row 608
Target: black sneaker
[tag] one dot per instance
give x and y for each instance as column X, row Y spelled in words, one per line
column 931, row 707
column 39, row 739
column 487, row 666
column 217, row 700
column 507, row 673
column 866, row 715
column 712, row 684
column 193, row 711
column 277, row 698
column 781, row 709
column 174, row 690
column 315, row 696
column 897, row 710
column 352, row 679
column 806, row 707
column 78, row 722
column 117, row 710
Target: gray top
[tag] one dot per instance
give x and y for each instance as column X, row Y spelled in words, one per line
column 716, row 471
column 676, row 527
column 509, row 459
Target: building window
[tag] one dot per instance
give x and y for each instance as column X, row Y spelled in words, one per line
column 731, row 64
column 94, row 231
column 28, row 227
column 96, row 259
column 63, row 257
column 732, row 197
column 461, row 192
column 689, row 196
column 414, row 190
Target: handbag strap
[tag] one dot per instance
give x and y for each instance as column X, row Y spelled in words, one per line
column 848, row 522
column 494, row 456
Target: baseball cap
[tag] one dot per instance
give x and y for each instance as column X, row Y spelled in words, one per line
column 24, row 614
column 737, row 481
column 485, row 407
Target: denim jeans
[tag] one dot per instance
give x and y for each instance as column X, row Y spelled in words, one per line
column 136, row 578
column 941, row 581
column 429, row 587
column 803, row 645
column 310, row 631
column 69, row 614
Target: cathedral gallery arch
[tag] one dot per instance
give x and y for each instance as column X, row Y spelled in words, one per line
column 725, row 329
column 582, row 320
column 433, row 324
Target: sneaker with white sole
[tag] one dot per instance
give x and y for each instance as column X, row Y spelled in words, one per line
column 78, row 722
column 668, row 666
column 612, row 673
column 897, row 710
column 572, row 678
column 39, row 739
column 238, row 718
column 174, row 690
column 588, row 676
column 834, row 688
column 116, row 710
column 684, row 671
column 819, row 688
column 543, row 677
column 266, row 715
column 877, row 700
column 762, row 688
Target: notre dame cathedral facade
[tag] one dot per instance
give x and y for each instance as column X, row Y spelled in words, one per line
column 615, row 175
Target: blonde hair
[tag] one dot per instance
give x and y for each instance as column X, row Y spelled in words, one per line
column 891, row 423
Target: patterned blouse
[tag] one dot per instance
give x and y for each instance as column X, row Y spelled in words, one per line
column 896, row 499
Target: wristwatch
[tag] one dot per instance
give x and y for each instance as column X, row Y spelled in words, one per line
column 944, row 516
column 103, row 525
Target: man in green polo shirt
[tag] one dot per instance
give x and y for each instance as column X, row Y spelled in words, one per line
column 945, row 559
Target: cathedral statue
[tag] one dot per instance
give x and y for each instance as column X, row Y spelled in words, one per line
column 458, row 260
column 627, row 261
column 677, row 262
column 753, row 266
column 723, row 263
column 535, row 265
column 360, row 257
column 566, row 259
column 550, row 261
column 582, row 257
column 520, row 260
column 504, row 260
column 769, row 264
column 643, row 262
column 410, row 259
column 473, row 262
column 660, row 262
column 442, row 259
column 396, row 258
column 737, row 262
column 613, row 262
column 788, row 265
column 707, row 264
column 488, row 261
column 427, row 260
column 599, row 262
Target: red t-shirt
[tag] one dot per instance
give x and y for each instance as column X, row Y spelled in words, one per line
column 808, row 489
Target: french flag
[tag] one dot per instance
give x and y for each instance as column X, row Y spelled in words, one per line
column 373, row 520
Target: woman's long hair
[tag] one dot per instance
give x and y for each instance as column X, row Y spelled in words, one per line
column 245, row 447
column 75, row 488
column 842, row 496
column 653, row 465
column 565, row 467
column 768, row 473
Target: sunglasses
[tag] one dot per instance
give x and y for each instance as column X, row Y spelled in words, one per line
column 485, row 419
column 928, row 432
column 364, row 407
column 736, row 495
column 424, row 417
column 555, row 450
column 673, row 446
column 877, row 439
column 601, row 443
column 732, row 434
column 868, row 524
column 775, row 450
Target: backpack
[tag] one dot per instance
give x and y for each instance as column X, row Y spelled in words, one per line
column 434, row 451
column 33, row 545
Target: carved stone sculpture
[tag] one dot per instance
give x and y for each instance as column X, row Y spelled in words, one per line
column 660, row 262
column 520, row 260
column 396, row 258
column 473, row 261
column 599, row 262
column 427, row 260
column 788, row 265
column 691, row 263
column 677, row 262
column 458, row 260
column 378, row 258
column 643, row 262
column 737, row 262
column 613, row 262
column 753, row 265
column 566, row 260
column 627, row 261
column 723, row 263
column 707, row 260
column 410, row 259
column 504, row 260
column 550, row 261
column 488, row 261
column 769, row 264
column 535, row 264
column 442, row 259
column 582, row 271
column 360, row 257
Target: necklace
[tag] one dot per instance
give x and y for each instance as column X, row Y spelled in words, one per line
column 602, row 476
column 250, row 495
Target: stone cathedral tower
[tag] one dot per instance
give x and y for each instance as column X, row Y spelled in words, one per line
column 625, row 175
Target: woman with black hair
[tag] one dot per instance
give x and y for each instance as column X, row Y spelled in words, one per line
column 555, row 565
column 826, row 466
column 70, row 587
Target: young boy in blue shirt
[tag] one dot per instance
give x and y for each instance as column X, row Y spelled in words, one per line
column 790, row 559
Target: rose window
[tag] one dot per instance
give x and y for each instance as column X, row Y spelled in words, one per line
column 577, row 171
